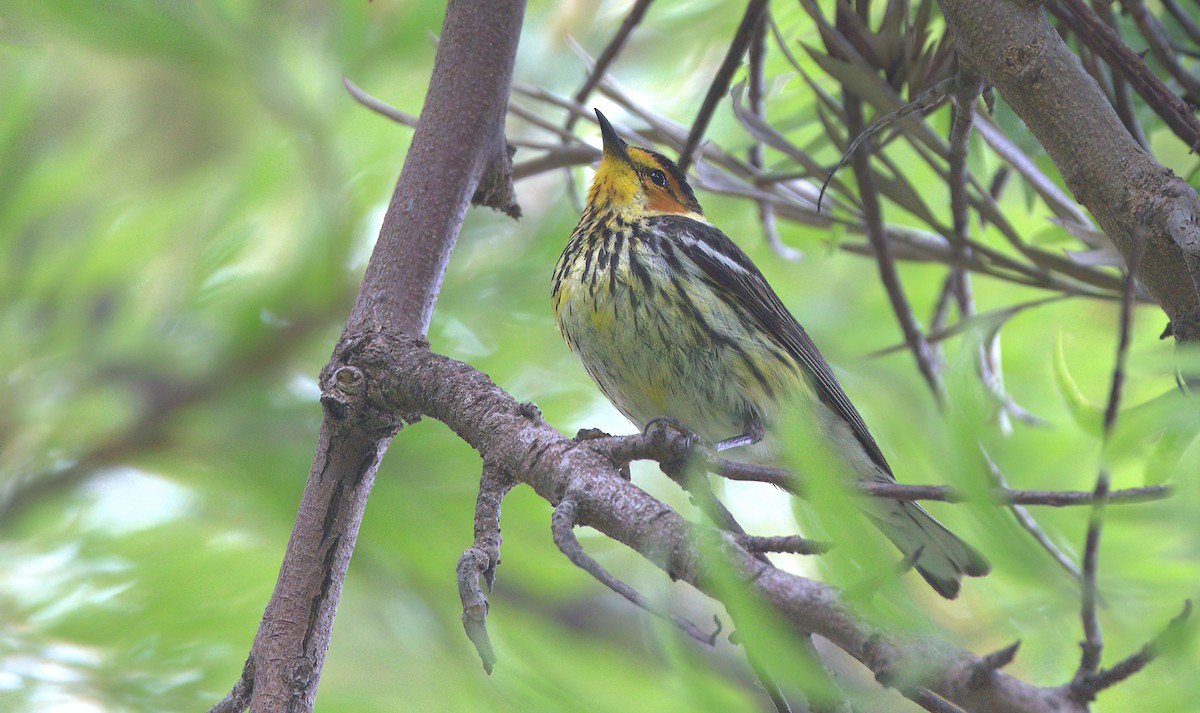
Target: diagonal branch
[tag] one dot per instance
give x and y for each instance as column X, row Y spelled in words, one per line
column 1104, row 41
column 1013, row 46
column 873, row 218
column 562, row 525
column 608, row 56
column 413, row 379
column 458, row 155
column 751, row 20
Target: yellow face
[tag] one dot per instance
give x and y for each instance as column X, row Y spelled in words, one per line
column 636, row 182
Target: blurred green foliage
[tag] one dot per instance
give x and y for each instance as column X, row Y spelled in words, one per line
column 187, row 200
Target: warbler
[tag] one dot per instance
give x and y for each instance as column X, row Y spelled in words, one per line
column 672, row 320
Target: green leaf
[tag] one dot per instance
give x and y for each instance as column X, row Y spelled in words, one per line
column 1087, row 415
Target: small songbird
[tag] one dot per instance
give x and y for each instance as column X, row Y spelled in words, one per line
column 672, row 320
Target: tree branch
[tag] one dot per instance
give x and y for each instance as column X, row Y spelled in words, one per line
column 412, row 379
column 1013, row 46
column 720, row 83
column 457, row 150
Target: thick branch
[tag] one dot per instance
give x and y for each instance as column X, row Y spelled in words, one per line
column 493, row 423
column 458, row 153
column 458, row 145
column 1013, row 46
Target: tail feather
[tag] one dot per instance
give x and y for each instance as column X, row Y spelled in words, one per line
column 938, row 555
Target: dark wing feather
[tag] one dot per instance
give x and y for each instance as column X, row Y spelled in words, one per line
column 749, row 290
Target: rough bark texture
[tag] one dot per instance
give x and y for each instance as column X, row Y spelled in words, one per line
column 457, row 154
column 1012, row 45
column 457, row 149
column 408, row 377
column 382, row 373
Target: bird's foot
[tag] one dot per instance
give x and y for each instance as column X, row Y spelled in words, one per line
column 678, row 439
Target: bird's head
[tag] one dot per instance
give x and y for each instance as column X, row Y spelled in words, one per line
column 635, row 182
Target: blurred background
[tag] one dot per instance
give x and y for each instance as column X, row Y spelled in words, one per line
column 188, row 197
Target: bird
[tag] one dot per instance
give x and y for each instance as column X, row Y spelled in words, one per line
column 674, row 322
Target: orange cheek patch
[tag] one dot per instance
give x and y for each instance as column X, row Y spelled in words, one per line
column 663, row 202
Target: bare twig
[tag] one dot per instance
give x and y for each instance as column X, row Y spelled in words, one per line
column 1087, row 689
column 778, row 701
column 724, row 77
column 597, row 72
column 791, row 544
column 1026, row 521
column 481, row 559
column 757, row 84
column 1184, row 20
column 1093, row 643
column 966, row 90
column 941, row 493
column 608, row 55
column 1101, row 39
column 1160, row 46
column 1122, row 101
column 562, row 525
column 873, row 217
column 928, row 100
column 378, row 106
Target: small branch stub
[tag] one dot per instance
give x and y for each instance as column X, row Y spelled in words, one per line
column 480, row 560
column 348, row 385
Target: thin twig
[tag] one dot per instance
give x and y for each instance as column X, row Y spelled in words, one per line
column 966, row 90
column 1133, row 663
column 873, row 218
column 1160, row 46
column 1122, row 102
column 562, row 525
column 597, row 72
column 941, row 493
column 724, row 77
column 1026, row 521
column 608, row 56
column 778, row 701
column 1100, row 37
column 386, row 110
column 1093, row 643
column 757, row 89
column 1184, row 20
column 928, row 100
column 554, row 159
column 378, row 106
column 962, row 118
column 827, row 699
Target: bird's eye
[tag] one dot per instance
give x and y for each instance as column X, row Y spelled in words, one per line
column 658, row 178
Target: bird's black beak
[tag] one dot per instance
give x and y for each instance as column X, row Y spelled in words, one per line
column 613, row 145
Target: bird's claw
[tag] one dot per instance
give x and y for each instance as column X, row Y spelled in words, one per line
column 675, row 435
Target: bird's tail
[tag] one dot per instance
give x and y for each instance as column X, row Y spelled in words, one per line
column 937, row 554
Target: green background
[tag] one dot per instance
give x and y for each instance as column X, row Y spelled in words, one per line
column 187, row 200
